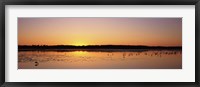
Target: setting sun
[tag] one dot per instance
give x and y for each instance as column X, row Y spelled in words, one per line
column 78, row 43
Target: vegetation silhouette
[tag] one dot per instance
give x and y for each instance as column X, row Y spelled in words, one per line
column 94, row 47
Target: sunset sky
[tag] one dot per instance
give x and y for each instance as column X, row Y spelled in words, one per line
column 100, row 31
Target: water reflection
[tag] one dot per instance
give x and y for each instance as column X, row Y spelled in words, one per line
column 146, row 59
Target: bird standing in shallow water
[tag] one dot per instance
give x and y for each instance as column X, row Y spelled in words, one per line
column 36, row 63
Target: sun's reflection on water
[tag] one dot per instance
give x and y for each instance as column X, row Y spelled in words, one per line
column 153, row 59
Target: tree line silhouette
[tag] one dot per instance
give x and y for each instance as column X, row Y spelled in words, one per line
column 49, row 47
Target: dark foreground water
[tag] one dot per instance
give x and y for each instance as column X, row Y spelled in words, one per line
column 102, row 59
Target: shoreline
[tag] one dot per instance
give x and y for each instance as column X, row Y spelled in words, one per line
column 102, row 48
column 99, row 50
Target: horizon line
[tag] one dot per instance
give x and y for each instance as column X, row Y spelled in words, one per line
column 101, row 45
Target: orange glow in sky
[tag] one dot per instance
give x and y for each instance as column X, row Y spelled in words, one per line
column 100, row 31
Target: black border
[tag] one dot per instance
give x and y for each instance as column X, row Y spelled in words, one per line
column 99, row 2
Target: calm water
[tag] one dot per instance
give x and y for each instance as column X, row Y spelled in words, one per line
column 150, row 59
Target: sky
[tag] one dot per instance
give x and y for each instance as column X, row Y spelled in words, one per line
column 100, row 31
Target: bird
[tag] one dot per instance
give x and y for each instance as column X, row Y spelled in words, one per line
column 36, row 63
